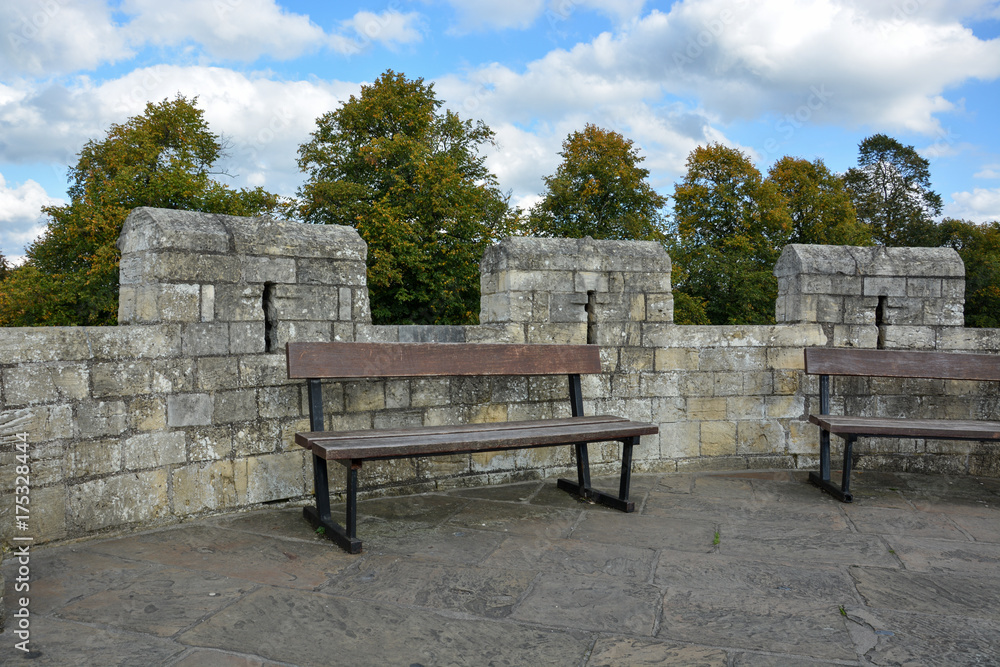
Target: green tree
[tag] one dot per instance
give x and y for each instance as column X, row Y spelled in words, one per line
column 4, row 268
column 891, row 192
column 818, row 203
column 600, row 191
column 413, row 183
column 979, row 247
column 161, row 158
column 731, row 225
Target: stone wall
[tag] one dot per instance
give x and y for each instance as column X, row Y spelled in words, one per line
column 185, row 407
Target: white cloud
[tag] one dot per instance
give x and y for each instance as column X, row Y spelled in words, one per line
column 980, row 205
column 226, row 29
column 21, row 220
column 262, row 120
column 489, row 14
column 56, row 36
column 988, row 171
column 390, row 28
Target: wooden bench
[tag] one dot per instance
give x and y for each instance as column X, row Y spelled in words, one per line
column 317, row 361
column 826, row 361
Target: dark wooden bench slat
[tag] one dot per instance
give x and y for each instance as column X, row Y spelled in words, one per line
column 943, row 429
column 375, row 360
column 901, row 364
column 516, row 435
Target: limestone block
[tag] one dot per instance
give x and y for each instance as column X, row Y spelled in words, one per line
column 434, row 333
column 117, row 501
column 511, row 389
column 147, row 413
column 267, row 236
column 44, row 423
column 275, row 476
column 161, row 302
column 190, row 410
column 202, row 487
column 173, row 375
column 803, row 438
column 557, row 333
column 829, row 308
column 269, row 270
column 154, row 450
column 282, row 401
column 855, row 335
column 345, row 298
column 760, row 437
column 323, row 271
column 727, row 384
column 859, row 309
column 158, row 228
column 97, row 419
column 398, row 419
column 568, row 307
column 718, row 438
column 88, row 458
column 205, row 338
column 469, row 390
column 24, row 345
column 680, row 439
column 127, row 343
column 246, row 338
column 785, row 407
column 265, row 370
column 122, row 378
column 209, row 443
column 234, row 406
column 217, row 373
column 258, row 437
column 910, row 338
column 745, row 407
column 239, row 303
column 207, row 303
column 31, row 384
column 670, row 359
column 365, row 396
column 286, row 332
column 706, row 409
column 669, row 409
column 305, row 302
column 590, row 281
column 659, row 308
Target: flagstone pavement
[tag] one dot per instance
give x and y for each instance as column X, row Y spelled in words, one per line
column 714, row 568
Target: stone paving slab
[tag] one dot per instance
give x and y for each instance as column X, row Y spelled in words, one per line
column 307, row 628
column 742, row 569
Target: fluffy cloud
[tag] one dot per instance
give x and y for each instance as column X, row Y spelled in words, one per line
column 496, row 13
column 56, row 36
column 21, row 216
column 980, row 205
column 390, row 28
column 226, row 29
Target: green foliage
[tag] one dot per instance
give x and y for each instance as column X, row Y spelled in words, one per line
column 731, row 225
column 979, row 247
column 412, row 182
column 4, row 268
column 161, row 158
column 818, row 203
column 890, row 189
column 600, row 191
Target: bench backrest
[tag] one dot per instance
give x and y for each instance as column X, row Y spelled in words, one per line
column 364, row 360
column 902, row 364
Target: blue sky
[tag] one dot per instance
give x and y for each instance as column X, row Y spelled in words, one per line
column 807, row 78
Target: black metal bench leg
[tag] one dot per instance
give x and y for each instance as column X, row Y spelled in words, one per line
column 582, row 486
column 319, row 515
column 822, row 480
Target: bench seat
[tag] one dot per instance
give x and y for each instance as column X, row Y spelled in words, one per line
column 939, row 429
column 371, row 445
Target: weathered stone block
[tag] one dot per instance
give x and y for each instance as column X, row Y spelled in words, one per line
column 269, row 270
column 364, row 396
column 305, row 302
column 235, row 406
column 98, row 419
column 217, row 373
column 209, row 443
column 189, row 410
column 275, row 476
column 205, row 339
column 239, row 303
column 205, row 487
column 30, row 384
column 258, row 437
column 120, row 500
column 247, row 338
column 154, row 450
column 88, row 458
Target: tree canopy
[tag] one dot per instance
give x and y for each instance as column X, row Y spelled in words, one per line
column 161, row 158
column 413, row 182
column 890, row 189
column 600, row 191
column 731, row 225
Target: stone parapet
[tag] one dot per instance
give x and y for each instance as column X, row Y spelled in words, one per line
column 185, row 408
